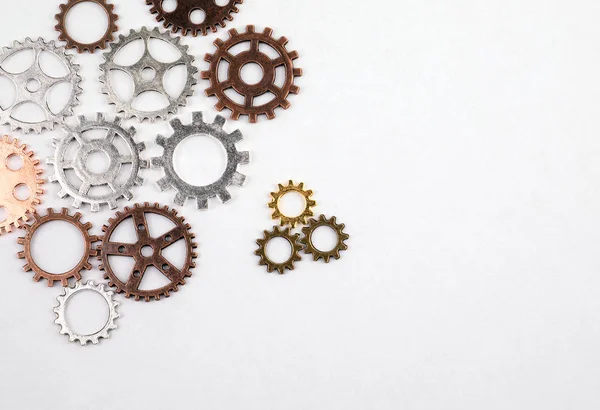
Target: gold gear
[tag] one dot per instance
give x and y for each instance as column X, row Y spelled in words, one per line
column 294, row 245
column 309, row 248
column 288, row 220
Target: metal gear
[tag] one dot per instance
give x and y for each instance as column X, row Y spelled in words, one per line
column 201, row 193
column 294, row 246
column 179, row 18
column 251, row 91
column 308, row 231
column 75, row 272
column 33, row 84
column 147, row 61
column 84, row 148
column 106, row 38
column 292, row 220
column 18, row 211
column 103, row 333
column 181, row 231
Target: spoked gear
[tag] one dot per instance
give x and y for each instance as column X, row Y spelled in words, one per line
column 200, row 193
column 18, row 211
column 295, row 248
column 313, row 225
column 33, row 84
column 108, row 248
column 180, row 18
column 88, row 249
column 111, row 178
column 308, row 204
column 251, row 91
column 156, row 83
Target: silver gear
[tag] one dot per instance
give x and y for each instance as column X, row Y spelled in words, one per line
column 45, row 82
column 91, row 179
column 141, row 85
column 107, row 295
column 201, row 193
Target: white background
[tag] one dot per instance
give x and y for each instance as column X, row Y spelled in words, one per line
column 458, row 141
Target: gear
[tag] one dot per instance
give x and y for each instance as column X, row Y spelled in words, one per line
column 61, row 27
column 75, row 272
column 141, row 85
column 111, row 178
column 145, row 241
column 61, row 320
column 33, row 85
column 250, row 91
column 308, row 231
column 308, row 204
column 294, row 246
column 180, row 18
column 18, row 211
column 201, row 193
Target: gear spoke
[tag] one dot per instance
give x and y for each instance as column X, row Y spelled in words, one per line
column 119, row 248
column 171, row 237
column 140, row 224
column 166, row 268
column 136, row 275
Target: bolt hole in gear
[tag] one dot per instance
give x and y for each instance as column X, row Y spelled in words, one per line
column 292, row 239
column 286, row 190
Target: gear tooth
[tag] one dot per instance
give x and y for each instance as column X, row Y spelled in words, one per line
column 285, row 104
column 197, row 118
column 270, row 114
column 253, row 117
column 118, row 121
column 128, row 195
column 298, row 72
column 202, row 203
column 238, row 179
column 294, row 89
column 268, row 31
column 62, row 193
column 82, row 120
column 219, row 121
column 76, row 203
column 293, row 55
column 224, row 196
column 236, row 136
column 243, row 157
column 113, row 204
column 176, row 124
column 94, row 207
column 283, row 41
column 179, row 199
column 163, row 184
column 100, row 117
column 205, row 75
column 160, row 140
column 140, row 146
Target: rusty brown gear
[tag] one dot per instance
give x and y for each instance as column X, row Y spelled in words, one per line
column 250, row 91
column 283, row 190
column 295, row 246
column 308, row 231
column 18, row 211
column 101, row 44
column 182, row 231
column 75, row 272
column 179, row 18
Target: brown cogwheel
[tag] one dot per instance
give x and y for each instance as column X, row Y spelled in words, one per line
column 15, row 210
column 292, row 220
column 308, row 231
column 61, row 27
column 251, row 91
column 294, row 246
column 74, row 220
column 146, row 251
column 181, row 17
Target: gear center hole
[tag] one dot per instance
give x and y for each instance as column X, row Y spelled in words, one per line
column 251, row 73
column 324, row 239
column 33, row 85
column 292, row 204
column 97, row 162
column 148, row 74
column 147, row 251
column 86, row 312
column 86, row 22
column 278, row 250
column 57, row 256
column 200, row 160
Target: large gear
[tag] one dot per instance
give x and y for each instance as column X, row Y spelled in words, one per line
column 109, row 325
column 18, row 211
column 180, row 18
column 109, row 248
column 283, row 190
column 33, row 85
column 111, row 178
column 142, row 85
column 295, row 248
column 200, row 193
column 250, row 91
column 310, row 248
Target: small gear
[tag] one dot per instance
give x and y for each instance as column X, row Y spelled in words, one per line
column 251, row 91
column 308, row 204
column 294, row 246
column 180, row 18
column 107, row 37
column 201, row 193
column 108, row 248
column 111, row 179
column 33, row 85
column 308, row 231
column 18, row 211
column 61, row 320
column 75, row 272
column 141, row 84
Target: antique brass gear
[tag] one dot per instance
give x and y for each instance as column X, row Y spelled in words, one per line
column 308, row 231
column 18, row 211
column 289, row 220
column 75, row 272
column 294, row 245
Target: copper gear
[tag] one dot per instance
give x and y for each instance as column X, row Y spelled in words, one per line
column 61, row 27
column 179, row 18
column 308, row 231
column 18, row 211
column 74, row 220
column 295, row 246
column 134, row 250
column 250, row 91
column 289, row 220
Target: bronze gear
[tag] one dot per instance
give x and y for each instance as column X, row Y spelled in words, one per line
column 309, row 248
column 289, row 220
column 294, row 245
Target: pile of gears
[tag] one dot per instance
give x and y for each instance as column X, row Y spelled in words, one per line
column 69, row 164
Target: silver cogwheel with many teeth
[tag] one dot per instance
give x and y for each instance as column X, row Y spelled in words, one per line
column 114, row 186
column 33, row 85
column 200, row 193
column 63, row 299
column 141, row 83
